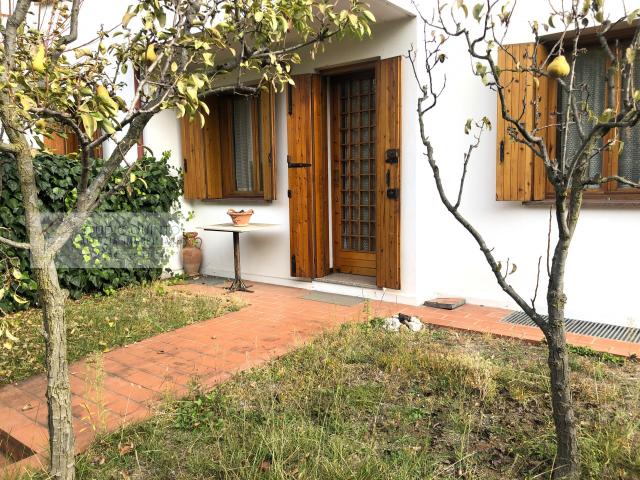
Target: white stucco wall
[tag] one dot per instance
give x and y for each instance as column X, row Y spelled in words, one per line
column 438, row 256
column 601, row 282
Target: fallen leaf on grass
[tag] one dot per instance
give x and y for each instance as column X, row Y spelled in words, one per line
column 126, row 448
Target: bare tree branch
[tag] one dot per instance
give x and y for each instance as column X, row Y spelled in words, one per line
column 14, row 243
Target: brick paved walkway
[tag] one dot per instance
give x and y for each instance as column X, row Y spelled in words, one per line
column 275, row 321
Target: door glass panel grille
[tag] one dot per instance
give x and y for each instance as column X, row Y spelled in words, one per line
column 357, row 163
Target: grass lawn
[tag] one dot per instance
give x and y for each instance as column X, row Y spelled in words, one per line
column 365, row 404
column 101, row 323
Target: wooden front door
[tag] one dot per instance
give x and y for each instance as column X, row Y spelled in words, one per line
column 353, row 152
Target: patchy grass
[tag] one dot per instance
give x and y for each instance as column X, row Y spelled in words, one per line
column 362, row 403
column 101, row 323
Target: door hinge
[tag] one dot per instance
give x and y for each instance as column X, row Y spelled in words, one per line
column 290, row 99
column 293, row 265
column 501, row 151
column 289, row 194
column 185, row 164
column 291, row 164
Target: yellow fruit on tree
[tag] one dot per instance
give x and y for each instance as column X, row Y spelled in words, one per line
column 559, row 68
column 37, row 63
column 150, row 55
column 41, row 123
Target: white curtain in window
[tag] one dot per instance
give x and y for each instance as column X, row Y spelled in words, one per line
column 590, row 88
column 629, row 161
column 243, row 144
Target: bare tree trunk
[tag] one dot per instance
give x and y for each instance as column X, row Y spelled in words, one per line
column 61, row 437
column 567, row 460
column 52, row 297
column 567, row 465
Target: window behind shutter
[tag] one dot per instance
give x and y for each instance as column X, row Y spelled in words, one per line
column 243, row 151
column 519, row 173
column 590, row 86
column 629, row 158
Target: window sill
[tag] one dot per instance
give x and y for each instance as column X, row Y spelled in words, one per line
column 237, row 200
column 590, row 203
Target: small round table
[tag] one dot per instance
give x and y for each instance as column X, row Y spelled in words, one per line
column 238, row 285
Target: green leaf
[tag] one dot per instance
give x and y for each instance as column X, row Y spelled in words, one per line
column 630, row 55
column 89, row 122
column 368, row 15
column 161, row 16
column 16, row 274
column 464, row 8
column 467, row 126
column 18, row 299
column 477, row 11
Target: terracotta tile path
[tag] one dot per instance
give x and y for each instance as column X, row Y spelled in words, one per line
column 275, row 321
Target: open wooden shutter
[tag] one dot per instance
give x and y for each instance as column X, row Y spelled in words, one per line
column 389, row 93
column 268, row 143
column 212, row 163
column 520, row 174
column 193, row 154
column 320, row 176
column 59, row 145
column 307, row 175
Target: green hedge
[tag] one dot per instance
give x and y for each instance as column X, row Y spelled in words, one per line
column 156, row 189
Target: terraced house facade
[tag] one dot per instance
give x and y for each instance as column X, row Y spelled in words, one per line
column 336, row 162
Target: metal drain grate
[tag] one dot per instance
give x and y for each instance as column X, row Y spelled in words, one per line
column 582, row 327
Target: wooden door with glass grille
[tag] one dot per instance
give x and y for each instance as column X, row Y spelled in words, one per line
column 353, row 152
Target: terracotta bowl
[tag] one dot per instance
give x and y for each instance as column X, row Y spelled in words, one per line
column 240, row 218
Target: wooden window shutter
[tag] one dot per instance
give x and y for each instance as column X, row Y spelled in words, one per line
column 268, row 143
column 193, row 154
column 388, row 161
column 212, row 163
column 520, row 174
column 59, row 145
column 307, row 174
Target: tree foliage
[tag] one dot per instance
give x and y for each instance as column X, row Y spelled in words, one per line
column 156, row 190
